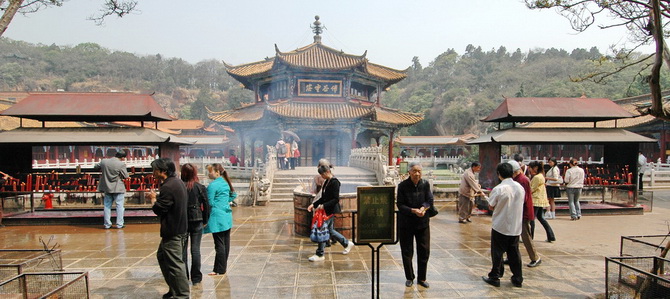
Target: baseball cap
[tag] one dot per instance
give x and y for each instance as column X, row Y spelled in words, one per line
column 515, row 165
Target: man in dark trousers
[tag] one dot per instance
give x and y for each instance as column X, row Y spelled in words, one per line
column 113, row 172
column 506, row 201
column 171, row 207
column 414, row 199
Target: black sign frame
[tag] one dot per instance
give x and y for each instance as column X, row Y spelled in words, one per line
column 375, row 220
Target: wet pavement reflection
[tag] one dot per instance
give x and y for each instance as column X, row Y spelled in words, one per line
column 268, row 260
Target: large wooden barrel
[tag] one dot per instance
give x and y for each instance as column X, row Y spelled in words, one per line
column 302, row 220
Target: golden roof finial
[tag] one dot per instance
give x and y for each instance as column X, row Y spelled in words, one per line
column 317, row 29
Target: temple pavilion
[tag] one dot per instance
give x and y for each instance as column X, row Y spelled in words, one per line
column 330, row 99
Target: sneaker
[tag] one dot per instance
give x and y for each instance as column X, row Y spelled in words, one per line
column 120, row 226
column 107, row 227
column 535, row 263
column 316, row 258
column 348, row 248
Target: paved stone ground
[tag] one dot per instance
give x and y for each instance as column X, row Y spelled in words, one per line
column 269, row 261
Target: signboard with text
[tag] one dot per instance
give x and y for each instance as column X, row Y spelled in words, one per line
column 404, row 167
column 375, row 220
column 319, row 88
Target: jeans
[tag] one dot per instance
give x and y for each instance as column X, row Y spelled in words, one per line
column 195, row 232
column 573, row 202
column 539, row 215
column 119, row 199
column 333, row 234
column 169, row 256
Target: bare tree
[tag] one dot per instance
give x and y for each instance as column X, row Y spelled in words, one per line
column 643, row 20
column 10, row 8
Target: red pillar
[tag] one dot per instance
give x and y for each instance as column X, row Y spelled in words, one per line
column 663, row 141
column 390, row 160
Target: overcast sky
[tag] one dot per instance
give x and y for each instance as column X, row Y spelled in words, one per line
column 243, row 31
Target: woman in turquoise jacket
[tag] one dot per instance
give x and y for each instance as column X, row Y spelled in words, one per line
column 220, row 193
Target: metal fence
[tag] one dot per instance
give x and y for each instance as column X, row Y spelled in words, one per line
column 18, row 261
column 651, row 245
column 636, row 277
column 62, row 285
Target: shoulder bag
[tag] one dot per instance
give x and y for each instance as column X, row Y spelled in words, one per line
column 319, row 231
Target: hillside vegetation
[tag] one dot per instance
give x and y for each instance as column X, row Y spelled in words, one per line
column 454, row 90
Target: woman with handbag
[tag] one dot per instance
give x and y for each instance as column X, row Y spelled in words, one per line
column 220, row 193
column 330, row 203
column 198, row 215
column 554, row 181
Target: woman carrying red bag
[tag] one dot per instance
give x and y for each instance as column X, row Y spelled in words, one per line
column 330, row 203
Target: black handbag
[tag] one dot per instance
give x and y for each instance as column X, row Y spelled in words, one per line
column 432, row 211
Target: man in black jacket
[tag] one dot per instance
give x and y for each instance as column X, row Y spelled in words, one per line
column 171, row 206
column 414, row 199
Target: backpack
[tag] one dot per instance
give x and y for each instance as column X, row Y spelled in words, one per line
column 282, row 149
column 198, row 206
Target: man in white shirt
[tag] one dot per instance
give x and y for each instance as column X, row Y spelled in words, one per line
column 574, row 182
column 506, row 200
column 641, row 168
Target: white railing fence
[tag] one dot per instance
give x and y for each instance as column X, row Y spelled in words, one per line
column 656, row 175
column 434, row 161
column 370, row 158
column 136, row 162
column 559, row 161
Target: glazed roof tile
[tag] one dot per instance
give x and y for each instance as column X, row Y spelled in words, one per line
column 630, row 105
column 89, row 106
column 243, row 114
column 556, row 110
column 320, row 110
column 317, row 111
column 9, row 122
column 250, row 69
column 396, row 117
column 316, row 56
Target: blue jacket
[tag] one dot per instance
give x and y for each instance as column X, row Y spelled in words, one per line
column 221, row 215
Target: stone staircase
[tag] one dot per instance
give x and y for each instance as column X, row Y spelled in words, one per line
column 285, row 181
